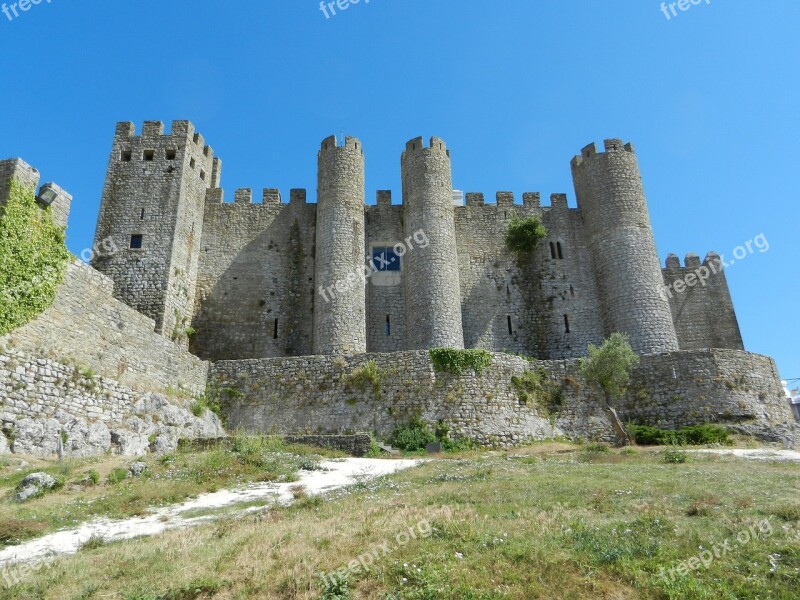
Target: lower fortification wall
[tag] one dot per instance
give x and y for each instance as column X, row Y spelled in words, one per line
column 43, row 402
column 318, row 394
column 87, row 327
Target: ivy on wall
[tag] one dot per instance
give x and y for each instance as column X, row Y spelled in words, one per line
column 33, row 258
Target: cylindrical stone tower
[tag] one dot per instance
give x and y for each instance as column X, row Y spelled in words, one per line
column 340, row 305
column 430, row 273
column 620, row 238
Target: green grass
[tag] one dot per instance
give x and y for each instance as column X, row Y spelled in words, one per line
column 106, row 490
column 550, row 521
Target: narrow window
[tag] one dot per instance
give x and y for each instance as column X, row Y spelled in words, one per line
column 566, row 323
column 510, row 329
column 126, row 156
column 137, row 241
column 275, row 330
column 202, row 175
column 560, row 253
column 192, row 164
column 572, row 291
column 388, row 326
column 149, row 154
column 552, row 250
column 171, row 153
column 141, row 215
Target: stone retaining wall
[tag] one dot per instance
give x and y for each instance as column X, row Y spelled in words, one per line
column 319, row 394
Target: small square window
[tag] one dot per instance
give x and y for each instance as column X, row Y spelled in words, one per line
column 126, row 156
column 136, row 241
column 171, row 153
column 149, row 154
column 385, row 260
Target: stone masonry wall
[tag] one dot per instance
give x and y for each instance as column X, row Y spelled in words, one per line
column 255, row 289
column 87, row 326
column 317, row 394
column 43, row 401
column 701, row 304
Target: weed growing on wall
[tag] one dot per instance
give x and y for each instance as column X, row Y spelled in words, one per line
column 33, row 259
column 457, row 362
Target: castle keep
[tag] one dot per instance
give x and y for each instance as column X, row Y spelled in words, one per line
column 274, row 305
column 244, row 279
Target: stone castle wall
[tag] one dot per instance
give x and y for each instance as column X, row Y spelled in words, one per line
column 43, row 401
column 87, row 327
column 317, row 394
column 255, row 288
column 701, row 304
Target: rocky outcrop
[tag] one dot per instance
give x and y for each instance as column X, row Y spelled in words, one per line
column 34, row 485
column 45, row 404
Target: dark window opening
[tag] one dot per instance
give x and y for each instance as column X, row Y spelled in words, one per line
column 141, row 215
column 127, row 155
column 149, row 154
column 560, row 252
column 566, row 323
column 275, row 330
column 388, row 326
column 385, row 260
column 552, row 250
column 572, row 291
column 202, row 175
column 171, row 153
column 510, row 329
column 136, row 241
column 192, row 163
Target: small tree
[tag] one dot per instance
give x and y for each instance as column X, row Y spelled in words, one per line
column 608, row 368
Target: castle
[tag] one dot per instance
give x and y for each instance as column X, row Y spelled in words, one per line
column 274, row 308
column 272, row 279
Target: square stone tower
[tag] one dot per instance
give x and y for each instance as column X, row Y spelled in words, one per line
column 152, row 210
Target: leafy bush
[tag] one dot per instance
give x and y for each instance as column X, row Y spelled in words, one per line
column 33, row 259
column 695, row 435
column 524, row 234
column 597, row 448
column 116, row 475
column 675, row 456
column 414, row 435
column 457, row 362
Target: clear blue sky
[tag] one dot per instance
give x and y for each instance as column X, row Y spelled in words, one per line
column 710, row 98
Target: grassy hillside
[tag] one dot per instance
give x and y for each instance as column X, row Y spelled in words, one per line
column 550, row 521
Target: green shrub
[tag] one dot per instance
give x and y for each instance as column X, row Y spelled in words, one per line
column 524, row 234
column 457, row 362
column 675, row 455
column 33, row 259
column 695, row 435
column 414, row 435
column 116, row 475
column 597, row 448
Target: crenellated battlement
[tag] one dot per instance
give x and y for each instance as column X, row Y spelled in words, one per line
column 590, row 151
column 418, row 144
column 332, row 143
column 153, row 137
column 692, row 262
column 505, row 199
column 244, row 197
